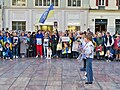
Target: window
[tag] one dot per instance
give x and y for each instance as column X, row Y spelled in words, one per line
column 117, row 23
column 19, row 2
column 101, row 3
column 0, row 4
column 19, row 25
column 46, row 2
column 74, row 3
column 119, row 4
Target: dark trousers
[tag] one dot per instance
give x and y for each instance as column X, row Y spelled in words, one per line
column 89, row 69
column 59, row 53
column 54, row 46
column 84, row 63
column 34, row 50
column 9, row 55
column 15, row 51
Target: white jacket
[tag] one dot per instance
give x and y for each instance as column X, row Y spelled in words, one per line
column 89, row 50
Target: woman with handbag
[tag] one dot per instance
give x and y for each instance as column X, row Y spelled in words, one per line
column 100, row 46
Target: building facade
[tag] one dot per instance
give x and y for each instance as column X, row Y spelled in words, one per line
column 98, row 15
column 24, row 14
column 104, row 15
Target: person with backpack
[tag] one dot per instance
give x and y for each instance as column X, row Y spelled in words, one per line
column 117, row 47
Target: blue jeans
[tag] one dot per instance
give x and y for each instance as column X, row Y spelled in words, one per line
column 15, row 51
column 89, row 69
column 9, row 54
column 45, row 50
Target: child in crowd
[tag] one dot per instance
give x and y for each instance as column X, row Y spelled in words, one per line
column 46, row 43
column 109, row 56
column 7, row 53
column 49, row 53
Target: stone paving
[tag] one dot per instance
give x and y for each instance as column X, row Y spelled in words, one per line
column 57, row 74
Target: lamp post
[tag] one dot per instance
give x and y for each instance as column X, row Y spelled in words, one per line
column 2, row 7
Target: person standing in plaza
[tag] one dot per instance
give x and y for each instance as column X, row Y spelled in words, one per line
column 15, row 45
column 39, row 41
column 89, row 53
column 23, row 44
column 46, row 43
column 108, row 42
column 117, row 47
column 54, row 42
column 82, row 36
column 100, row 46
column 33, row 43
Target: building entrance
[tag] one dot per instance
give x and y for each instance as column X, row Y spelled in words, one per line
column 100, row 25
column 73, row 28
column 45, row 28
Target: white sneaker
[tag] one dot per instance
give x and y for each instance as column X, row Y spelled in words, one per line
column 84, row 78
column 11, row 60
column 49, row 58
column 107, row 60
column 13, row 56
column 37, row 56
column 23, row 56
column 16, row 56
column 41, row 56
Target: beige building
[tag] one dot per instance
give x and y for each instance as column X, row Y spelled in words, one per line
column 104, row 15
column 98, row 15
column 24, row 14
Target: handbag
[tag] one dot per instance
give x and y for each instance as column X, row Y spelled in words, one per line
column 101, row 53
column 99, row 48
column 59, row 46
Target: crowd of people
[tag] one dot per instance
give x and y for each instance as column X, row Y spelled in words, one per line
column 45, row 44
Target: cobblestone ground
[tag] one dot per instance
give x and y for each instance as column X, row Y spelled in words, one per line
column 58, row 74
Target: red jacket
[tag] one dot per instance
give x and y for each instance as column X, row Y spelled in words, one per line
column 116, row 43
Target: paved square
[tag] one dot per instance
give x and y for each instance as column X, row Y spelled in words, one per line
column 57, row 74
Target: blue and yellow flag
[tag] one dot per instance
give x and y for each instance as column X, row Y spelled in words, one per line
column 47, row 14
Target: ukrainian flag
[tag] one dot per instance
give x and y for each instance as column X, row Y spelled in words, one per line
column 47, row 14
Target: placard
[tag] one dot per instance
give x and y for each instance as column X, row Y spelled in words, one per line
column 65, row 39
column 66, row 45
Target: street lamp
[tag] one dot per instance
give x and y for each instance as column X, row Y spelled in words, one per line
column 2, row 7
